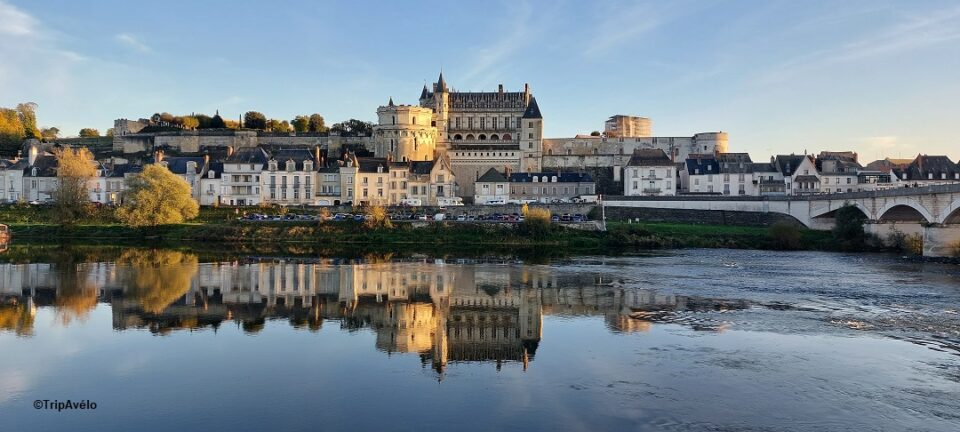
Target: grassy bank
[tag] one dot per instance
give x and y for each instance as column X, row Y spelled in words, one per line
column 619, row 237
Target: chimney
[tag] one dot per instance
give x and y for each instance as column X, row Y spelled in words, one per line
column 229, row 151
column 316, row 154
column 206, row 159
column 158, row 156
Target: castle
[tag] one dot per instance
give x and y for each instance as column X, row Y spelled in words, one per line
column 470, row 132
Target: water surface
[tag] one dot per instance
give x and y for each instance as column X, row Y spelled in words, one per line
column 684, row 340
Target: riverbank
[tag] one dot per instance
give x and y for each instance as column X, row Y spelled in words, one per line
column 619, row 237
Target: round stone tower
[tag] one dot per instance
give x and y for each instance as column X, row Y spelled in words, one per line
column 405, row 133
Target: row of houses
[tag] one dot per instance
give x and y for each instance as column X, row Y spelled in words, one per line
column 653, row 173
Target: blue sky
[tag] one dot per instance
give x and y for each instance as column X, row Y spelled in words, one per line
column 878, row 77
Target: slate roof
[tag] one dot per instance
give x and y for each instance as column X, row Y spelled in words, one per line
column 46, row 165
column 533, row 110
column 369, row 165
column 649, row 157
column 764, row 167
column 298, row 156
column 702, row 165
column 924, row 165
column 735, row 163
column 254, row 155
column 492, row 176
column 422, row 167
column 178, row 164
column 216, row 167
column 807, row 179
column 787, row 164
column 120, row 171
column 564, row 177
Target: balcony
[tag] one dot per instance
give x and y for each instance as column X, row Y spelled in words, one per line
column 652, row 190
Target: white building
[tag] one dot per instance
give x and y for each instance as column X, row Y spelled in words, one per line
column 491, row 188
column 241, row 176
column 650, row 172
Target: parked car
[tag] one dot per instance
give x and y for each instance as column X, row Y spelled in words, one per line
column 439, row 216
column 554, row 218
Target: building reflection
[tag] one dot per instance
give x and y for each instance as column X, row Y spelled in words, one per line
column 444, row 312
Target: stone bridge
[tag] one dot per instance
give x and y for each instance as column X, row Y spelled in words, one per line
column 930, row 211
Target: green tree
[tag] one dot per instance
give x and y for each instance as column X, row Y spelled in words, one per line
column 216, row 122
column 254, row 120
column 157, row 197
column 595, row 133
column 353, row 127
column 89, row 133
column 110, row 132
column 848, row 229
column 317, row 124
column 76, row 168
column 301, row 124
column 274, row 125
column 50, row 133
column 28, row 118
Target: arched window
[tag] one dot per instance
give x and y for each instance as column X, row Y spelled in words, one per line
column 470, row 137
column 394, row 119
column 507, row 137
column 458, row 137
column 494, row 137
column 482, row 137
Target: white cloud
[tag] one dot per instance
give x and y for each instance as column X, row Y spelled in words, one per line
column 15, row 22
column 132, row 41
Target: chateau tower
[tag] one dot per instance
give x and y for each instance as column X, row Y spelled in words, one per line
column 531, row 137
column 405, row 133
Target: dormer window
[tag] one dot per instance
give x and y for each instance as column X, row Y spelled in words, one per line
column 553, row 179
column 210, row 174
column 943, row 176
column 930, row 176
column 696, row 170
column 33, row 172
column 709, row 167
column 291, row 166
column 379, row 169
column 273, row 165
column 308, row 166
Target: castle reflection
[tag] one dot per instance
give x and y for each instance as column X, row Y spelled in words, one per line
column 445, row 312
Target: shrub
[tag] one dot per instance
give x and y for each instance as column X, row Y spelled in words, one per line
column 785, row 235
column 914, row 244
column 536, row 222
column 377, row 218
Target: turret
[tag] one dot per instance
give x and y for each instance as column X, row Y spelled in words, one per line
column 531, row 135
column 441, row 103
column 405, row 133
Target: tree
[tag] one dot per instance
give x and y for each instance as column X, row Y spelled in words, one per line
column 848, row 229
column 254, row 120
column 595, row 133
column 89, row 133
column 11, row 131
column 377, row 218
column 50, row 133
column 353, row 127
column 28, row 118
column 157, row 197
column 301, row 124
column 216, row 122
column 110, row 132
column 231, row 124
column 189, row 122
column 75, row 169
column 274, row 125
column 203, row 121
column 317, row 124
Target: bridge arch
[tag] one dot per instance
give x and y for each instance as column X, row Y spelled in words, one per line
column 829, row 212
column 904, row 210
column 951, row 215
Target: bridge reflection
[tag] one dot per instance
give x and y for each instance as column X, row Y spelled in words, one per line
column 444, row 312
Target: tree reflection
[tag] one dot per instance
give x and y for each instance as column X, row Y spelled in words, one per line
column 17, row 317
column 76, row 292
column 156, row 278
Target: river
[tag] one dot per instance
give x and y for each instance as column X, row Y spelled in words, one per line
column 163, row 340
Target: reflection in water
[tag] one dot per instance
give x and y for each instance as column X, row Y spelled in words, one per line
column 443, row 312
